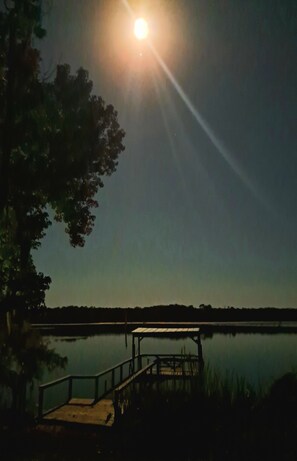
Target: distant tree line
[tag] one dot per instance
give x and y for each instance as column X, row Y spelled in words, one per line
column 168, row 313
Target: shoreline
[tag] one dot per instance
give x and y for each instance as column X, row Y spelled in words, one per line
column 206, row 327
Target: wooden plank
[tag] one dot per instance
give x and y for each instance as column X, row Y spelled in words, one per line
column 100, row 414
column 165, row 331
column 81, row 402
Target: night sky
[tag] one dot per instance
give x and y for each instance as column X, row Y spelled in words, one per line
column 194, row 213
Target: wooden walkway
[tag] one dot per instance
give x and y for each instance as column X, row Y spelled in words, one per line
column 107, row 407
column 79, row 411
column 114, row 389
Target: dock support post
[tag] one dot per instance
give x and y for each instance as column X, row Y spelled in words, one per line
column 158, row 372
column 40, row 403
column 112, row 378
column 158, row 366
column 200, row 355
column 133, row 353
column 96, row 388
column 70, row 389
column 138, row 353
column 197, row 340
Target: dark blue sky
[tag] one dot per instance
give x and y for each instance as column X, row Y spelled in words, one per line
column 186, row 218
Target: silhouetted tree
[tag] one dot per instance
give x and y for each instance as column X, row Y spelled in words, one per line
column 24, row 356
column 57, row 142
column 205, row 306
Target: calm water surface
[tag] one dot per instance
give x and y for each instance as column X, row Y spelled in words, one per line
column 257, row 357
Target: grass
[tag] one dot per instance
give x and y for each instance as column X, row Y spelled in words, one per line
column 216, row 417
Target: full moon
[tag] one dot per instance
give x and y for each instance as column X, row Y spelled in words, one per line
column 141, row 29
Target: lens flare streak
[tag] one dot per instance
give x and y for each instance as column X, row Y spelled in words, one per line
column 205, row 127
column 221, row 148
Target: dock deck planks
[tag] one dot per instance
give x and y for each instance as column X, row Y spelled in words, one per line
column 99, row 414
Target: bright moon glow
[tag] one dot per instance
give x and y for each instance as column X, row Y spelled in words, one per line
column 141, row 29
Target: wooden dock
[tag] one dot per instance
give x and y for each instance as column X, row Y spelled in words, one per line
column 113, row 389
column 81, row 412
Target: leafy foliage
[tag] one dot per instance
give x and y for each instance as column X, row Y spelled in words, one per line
column 57, row 142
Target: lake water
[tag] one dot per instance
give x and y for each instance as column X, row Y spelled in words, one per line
column 259, row 358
